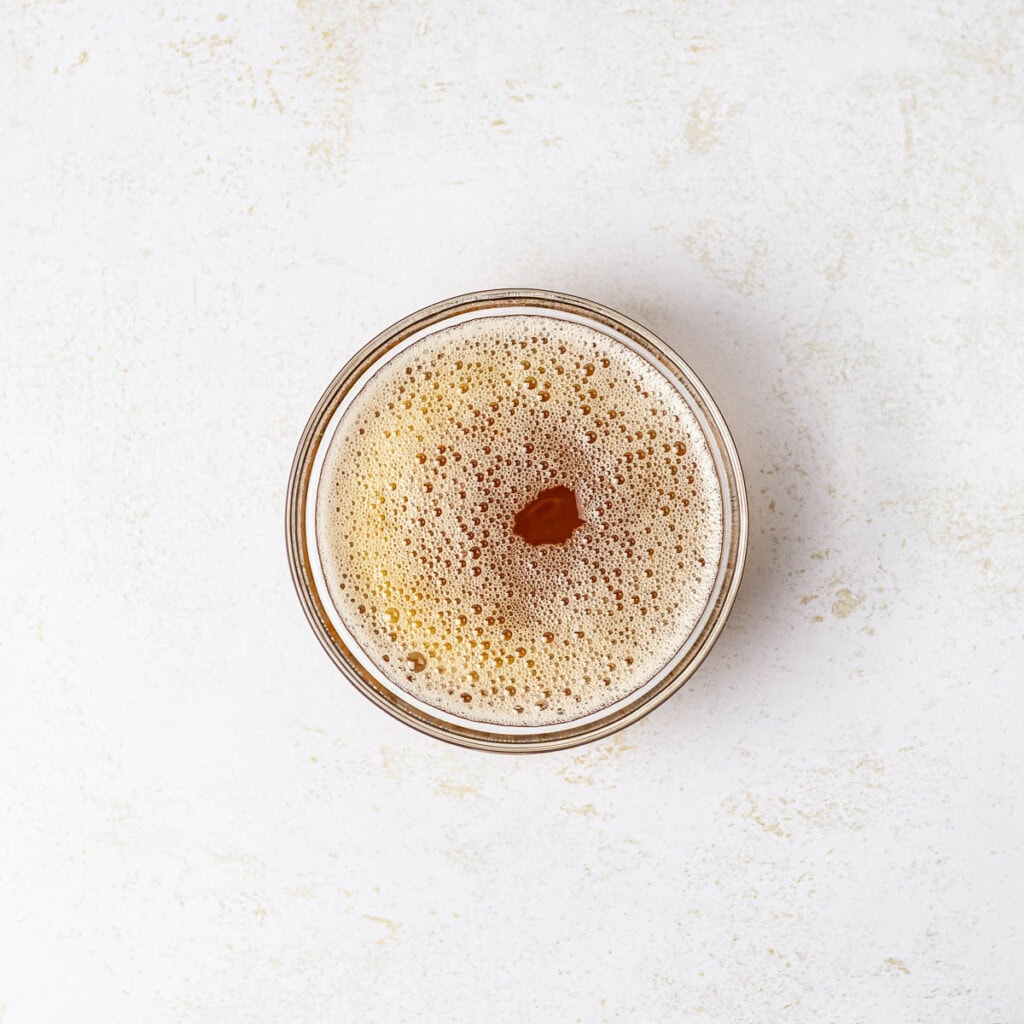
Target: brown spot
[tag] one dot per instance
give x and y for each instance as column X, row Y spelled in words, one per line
column 550, row 518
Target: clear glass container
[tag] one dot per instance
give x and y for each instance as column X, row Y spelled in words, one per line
column 328, row 625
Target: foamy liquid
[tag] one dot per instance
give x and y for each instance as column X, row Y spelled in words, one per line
column 420, row 490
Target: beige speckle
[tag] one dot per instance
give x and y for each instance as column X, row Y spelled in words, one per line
column 894, row 965
column 392, row 927
column 846, row 603
column 834, row 274
column 869, row 763
column 769, row 826
column 585, row 811
column 595, row 757
column 451, row 789
column 753, row 813
column 703, row 124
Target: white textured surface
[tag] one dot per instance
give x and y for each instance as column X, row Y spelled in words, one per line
column 207, row 208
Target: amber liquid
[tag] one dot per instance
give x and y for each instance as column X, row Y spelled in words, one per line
column 519, row 520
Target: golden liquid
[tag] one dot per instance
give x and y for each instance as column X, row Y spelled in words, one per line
column 519, row 520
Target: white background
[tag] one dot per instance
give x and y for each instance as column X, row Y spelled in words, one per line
column 206, row 208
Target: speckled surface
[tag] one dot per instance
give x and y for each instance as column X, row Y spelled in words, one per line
column 207, row 209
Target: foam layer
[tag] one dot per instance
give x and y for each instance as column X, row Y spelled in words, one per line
column 416, row 513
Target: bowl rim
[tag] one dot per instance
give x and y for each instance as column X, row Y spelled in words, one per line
column 475, row 735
